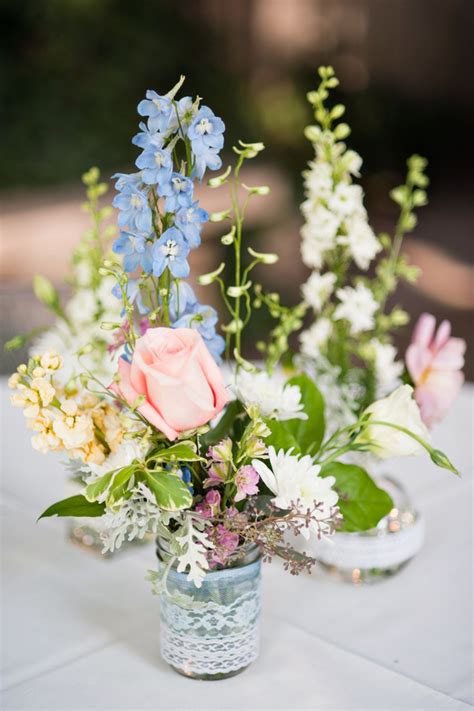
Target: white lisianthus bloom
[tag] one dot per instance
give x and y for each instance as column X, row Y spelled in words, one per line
column 400, row 409
column 358, row 306
column 315, row 337
column 361, row 241
column 296, row 481
column 318, row 289
column 387, row 369
column 271, row 394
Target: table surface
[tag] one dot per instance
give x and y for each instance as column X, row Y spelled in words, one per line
column 81, row 632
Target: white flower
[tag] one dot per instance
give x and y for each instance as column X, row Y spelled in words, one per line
column 273, row 397
column 361, row 241
column 82, row 307
column 318, row 289
column 346, row 200
column 352, row 162
column 295, row 481
column 194, row 544
column 318, row 179
column 315, row 337
column 400, row 409
column 357, row 306
column 387, row 369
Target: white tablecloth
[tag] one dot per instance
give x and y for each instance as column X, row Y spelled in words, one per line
column 81, row 632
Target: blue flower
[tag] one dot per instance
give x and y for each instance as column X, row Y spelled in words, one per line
column 136, row 251
column 157, row 108
column 178, row 192
column 184, row 108
column 135, row 213
column 189, row 220
column 133, row 294
column 204, row 320
column 146, row 138
column 156, row 165
column 171, row 251
column 186, row 476
column 206, row 136
column 182, row 299
column 126, row 181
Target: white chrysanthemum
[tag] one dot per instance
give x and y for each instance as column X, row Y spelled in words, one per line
column 358, row 306
column 318, row 289
column 270, row 393
column 315, row 337
column 296, row 481
column 361, row 241
column 346, row 200
column 387, row 369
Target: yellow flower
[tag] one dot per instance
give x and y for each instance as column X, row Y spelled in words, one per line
column 14, row 381
column 45, row 390
column 92, row 452
column 75, row 429
column 46, row 440
column 51, row 361
column 28, row 399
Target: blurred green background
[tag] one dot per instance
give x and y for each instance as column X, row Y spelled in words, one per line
column 73, row 71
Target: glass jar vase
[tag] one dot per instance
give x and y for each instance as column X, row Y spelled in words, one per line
column 212, row 632
column 381, row 552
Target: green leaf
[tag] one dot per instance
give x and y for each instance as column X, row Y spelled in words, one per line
column 223, row 427
column 179, row 452
column 119, row 483
column 304, row 436
column 74, row 506
column 171, row 493
column 281, row 437
column 94, row 490
column 361, row 502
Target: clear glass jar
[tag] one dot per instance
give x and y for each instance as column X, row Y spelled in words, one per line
column 371, row 556
column 212, row 632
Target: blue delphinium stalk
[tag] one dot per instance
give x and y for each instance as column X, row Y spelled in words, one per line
column 159, row 218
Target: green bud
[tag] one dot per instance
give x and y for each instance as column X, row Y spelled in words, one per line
column 206, row 279
column 228, row 238
column 219, row 216
column 264, row 257
column 341, row 131
column 16, row 342
column 257, row 190
column 220, row 179
column 441, row 460
column 109, row 326
column 91, row 177
column 45, row 292
column 236, row 291
column 337, row 111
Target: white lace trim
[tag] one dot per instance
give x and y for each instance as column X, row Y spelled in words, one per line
column 212, row 639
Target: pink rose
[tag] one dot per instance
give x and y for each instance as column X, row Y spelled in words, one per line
column 182, row 385
column 434, row 361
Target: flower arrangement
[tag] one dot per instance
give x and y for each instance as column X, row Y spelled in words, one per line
column 348, row 346
column 211, row 467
